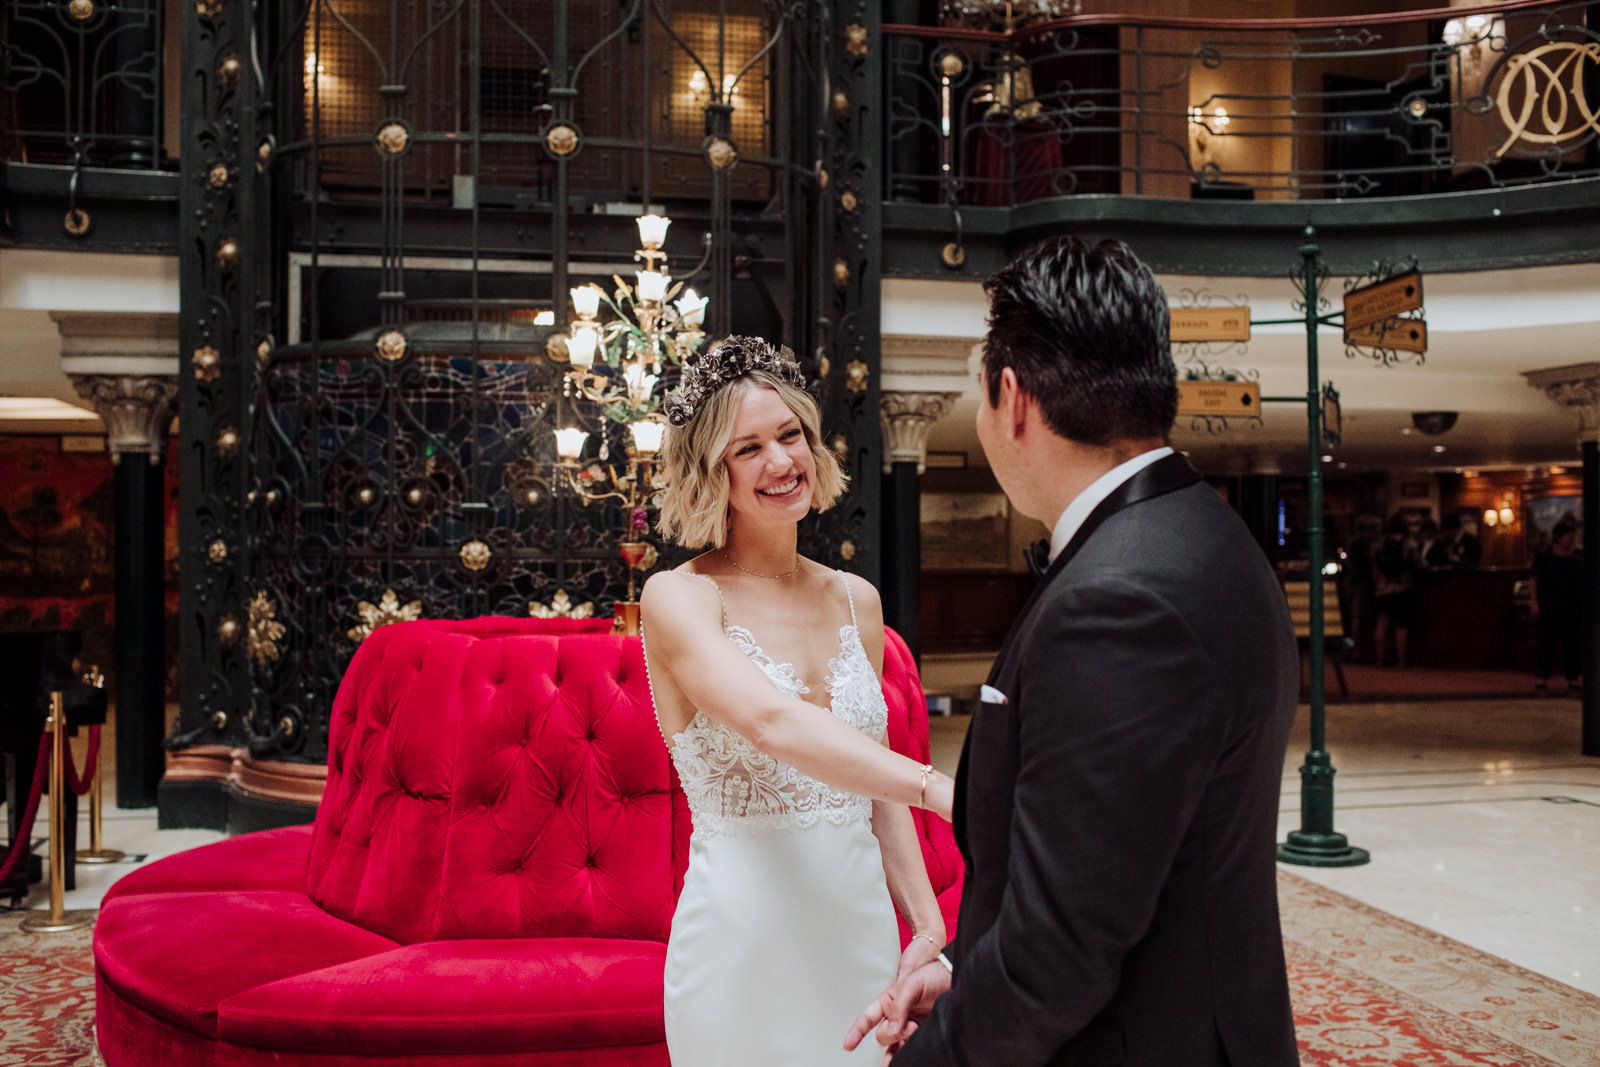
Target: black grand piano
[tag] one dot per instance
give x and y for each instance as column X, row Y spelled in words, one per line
column 33, row 664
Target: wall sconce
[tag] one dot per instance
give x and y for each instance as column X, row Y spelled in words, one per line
column 700, row 88
column 1471, row 37
column 1203, row 125
column 1504, row 515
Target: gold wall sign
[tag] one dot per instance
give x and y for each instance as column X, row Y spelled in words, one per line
column 1241, row 400
column 1541, row 96
column 1382, row 300
column 1210, row 324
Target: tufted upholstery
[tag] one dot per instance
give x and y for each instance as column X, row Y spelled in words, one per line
column 490, row 878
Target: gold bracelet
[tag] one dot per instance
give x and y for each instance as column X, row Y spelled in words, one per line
column 936, row 946
column 922, row 795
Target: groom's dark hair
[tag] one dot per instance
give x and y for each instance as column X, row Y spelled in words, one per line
column 1086, row 333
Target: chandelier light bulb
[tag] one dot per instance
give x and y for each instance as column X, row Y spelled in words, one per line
column 586, row 300
column 569, row 442
column 1507, row 516
column 1491, row 517
column 1454, row 32
column 581, row 347
column 653, row 230
column 691, row 308
column 647, row 436
column 652, row 284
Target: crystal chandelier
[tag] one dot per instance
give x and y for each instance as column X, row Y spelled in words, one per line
column 616, row 366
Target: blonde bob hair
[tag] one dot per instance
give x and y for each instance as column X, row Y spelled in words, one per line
column 694, row 506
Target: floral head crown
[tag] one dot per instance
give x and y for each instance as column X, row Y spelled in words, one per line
column 726, row 361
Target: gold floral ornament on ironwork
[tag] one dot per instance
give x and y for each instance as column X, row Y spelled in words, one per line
column 391, row 345
column 218, row 175
column 386, row 611
column 561, row 607
column 855, row 39
column 475, row 555
column 264, row 351
column 82, row 10
column 264, row 630
column 228, row 442
column 841, row 273
column 228, row 253
column 218, row 551
column 392, row 138
column 855, row 376
column 207, row 361
column 209, row 9
column 720, row 153
column 561, row 140
column 76, row 222
column 229, row 69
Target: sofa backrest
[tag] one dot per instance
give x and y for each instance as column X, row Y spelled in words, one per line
column 503, row 777
column 488, row 778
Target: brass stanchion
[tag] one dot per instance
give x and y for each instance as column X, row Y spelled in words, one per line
column 58, row 919
column 97, row 854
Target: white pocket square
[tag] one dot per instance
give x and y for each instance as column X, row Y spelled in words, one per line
column 990, row 695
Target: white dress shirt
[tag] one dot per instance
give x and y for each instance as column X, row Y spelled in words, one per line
column 1102, row 487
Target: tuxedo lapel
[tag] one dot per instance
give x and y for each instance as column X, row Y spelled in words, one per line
column 1165, row 475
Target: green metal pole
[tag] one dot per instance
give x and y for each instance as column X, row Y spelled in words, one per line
column 1316, row 844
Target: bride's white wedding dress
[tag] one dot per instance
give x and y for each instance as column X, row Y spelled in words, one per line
column 784, row 930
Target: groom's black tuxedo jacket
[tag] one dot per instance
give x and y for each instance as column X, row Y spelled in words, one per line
column 1118, row 811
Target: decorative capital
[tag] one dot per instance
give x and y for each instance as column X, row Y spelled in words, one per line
column 1576, row 387
column 906, row 418
column 137, row 410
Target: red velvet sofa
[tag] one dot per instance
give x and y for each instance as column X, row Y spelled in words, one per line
column 490, row 877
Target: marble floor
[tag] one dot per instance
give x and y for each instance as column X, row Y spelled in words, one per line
column 1482, row 820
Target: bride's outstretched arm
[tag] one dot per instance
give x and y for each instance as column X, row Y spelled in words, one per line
column 683, row 623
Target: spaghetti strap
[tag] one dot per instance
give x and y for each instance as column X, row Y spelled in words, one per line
column 849, row 596
column 718, row 588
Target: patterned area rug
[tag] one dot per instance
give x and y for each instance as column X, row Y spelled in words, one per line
column 1370, row 990
column 46, row 997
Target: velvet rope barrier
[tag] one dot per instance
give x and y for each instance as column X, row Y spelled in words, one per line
column 91, row 758
column 20, row 843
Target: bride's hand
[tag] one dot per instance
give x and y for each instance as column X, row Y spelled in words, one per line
column 940, row 796
column 919, row 951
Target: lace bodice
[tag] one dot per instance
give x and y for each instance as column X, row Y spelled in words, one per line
column 734, row 787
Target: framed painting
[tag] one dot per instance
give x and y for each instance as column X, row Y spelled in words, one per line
column 1542, row 514
column 965, row 531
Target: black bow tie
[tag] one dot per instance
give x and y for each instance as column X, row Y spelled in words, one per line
column 1037, row 556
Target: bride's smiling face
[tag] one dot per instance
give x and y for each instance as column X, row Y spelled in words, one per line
column 771, row 471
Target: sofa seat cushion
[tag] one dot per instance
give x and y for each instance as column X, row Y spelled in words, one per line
column 179, row 955
column 466, row 997
column 266, row 860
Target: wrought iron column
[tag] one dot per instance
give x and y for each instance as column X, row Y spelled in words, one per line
column 1577, row 387
column 110, row 362
column 906, row 418
column 1316, row 843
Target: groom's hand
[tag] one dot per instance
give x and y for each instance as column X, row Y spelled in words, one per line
column 898, row 1012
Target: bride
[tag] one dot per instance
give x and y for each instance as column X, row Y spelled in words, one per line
column 765, row 670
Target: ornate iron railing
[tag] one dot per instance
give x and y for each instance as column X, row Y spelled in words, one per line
column 386, row 203
column 1392, row 105
column 81, row 82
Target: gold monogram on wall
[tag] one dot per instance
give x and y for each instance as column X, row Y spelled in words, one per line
column 1541, row 97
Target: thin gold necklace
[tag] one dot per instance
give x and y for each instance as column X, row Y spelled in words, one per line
column 790, row 573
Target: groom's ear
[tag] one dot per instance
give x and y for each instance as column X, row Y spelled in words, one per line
column 1014, row 402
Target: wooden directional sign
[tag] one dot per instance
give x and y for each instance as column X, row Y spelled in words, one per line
column 1240, row 400
column 1210, row 324
column 1400, row 334
column 1383, row 300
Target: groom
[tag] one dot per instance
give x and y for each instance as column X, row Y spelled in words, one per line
column 1118, row 794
